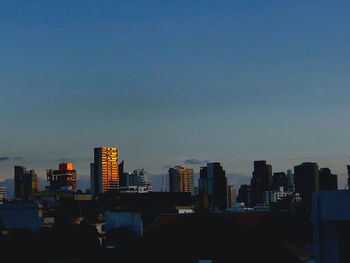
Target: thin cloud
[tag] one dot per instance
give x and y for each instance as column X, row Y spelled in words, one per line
column 4, row 158
column 17, row 158
column 195, row 161
column 166, row 166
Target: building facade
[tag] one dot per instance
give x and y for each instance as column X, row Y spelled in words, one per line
column 306, row 180
column 25, row 182
column 213, row 186
column 181, row 179
column 65, row 176
column 2, row 193
column 231, row 197
column 261, row 181
column 245, row 195
column 104, row 171
column 327, row 180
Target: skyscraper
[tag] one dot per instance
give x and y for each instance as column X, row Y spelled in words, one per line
column 306, row 179
column 261, row 181
column 26, row 183
column 217, row 185
column 181, row 179
column 281, row 179
column 327, row 180
column 245, row 195
column 231, row 196
column 104, row 170
column 64, row 176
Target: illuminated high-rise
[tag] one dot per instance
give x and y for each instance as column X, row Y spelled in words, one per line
column 104, row 170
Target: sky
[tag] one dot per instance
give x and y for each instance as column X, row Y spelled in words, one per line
column 175, row 83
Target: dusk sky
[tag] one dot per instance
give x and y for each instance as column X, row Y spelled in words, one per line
column 170, row 81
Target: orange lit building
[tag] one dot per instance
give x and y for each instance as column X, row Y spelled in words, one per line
column 65, row 176
column 104, row 170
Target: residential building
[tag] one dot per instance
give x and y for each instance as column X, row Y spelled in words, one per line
column 104, row 171
column 25, row 182
column 181, row 179
column 65, row 176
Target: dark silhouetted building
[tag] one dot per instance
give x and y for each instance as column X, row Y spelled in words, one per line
column 245, row 195
column 26, row 183
column 327, row 180
column 306, row 180
column 123, row 177
column 65, row 176
column 213, row 186
column 181, row 179
column 261, row 181
column 281, row 179
column 104, row 171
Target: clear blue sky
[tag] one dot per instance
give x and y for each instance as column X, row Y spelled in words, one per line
column 167, row 81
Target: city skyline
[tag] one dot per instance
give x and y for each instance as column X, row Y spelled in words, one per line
column 231, row 82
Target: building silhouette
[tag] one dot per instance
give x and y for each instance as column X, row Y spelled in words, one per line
column 327, row 180
column 261, row 181
column 65, row 176
column 245, row 195
column 213, row 186
column 104, row 171
column 181, row 179
column 26, row 183
column 306, row 179
column 231, row 197
column 281, row 179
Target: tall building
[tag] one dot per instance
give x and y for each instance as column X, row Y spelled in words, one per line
column 181, row 179
column 245, row 195
column 261, row 181
column 231, row 196
column 26, row 183
column 327, row 180
column 217, row 185
column 306, row 180
column 104, row 170
column 65, row 176
column 2, row 193
column 213, row 186
column 281, row 179
column 123, row 177
column 139, row 178
column 290, row 175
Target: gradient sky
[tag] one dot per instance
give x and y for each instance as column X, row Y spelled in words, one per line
column 168, row 81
